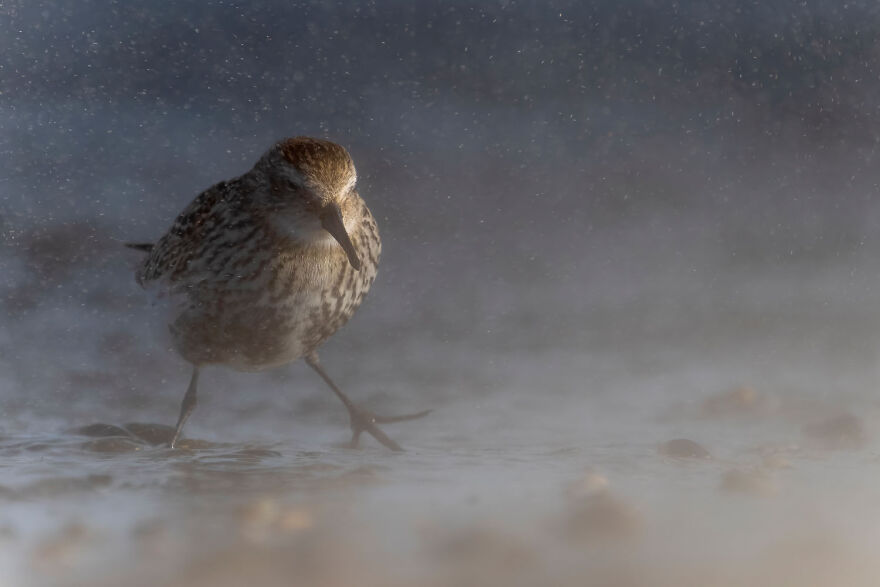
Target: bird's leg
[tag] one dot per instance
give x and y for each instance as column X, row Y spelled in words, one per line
column 361, row 420
column 186, row 406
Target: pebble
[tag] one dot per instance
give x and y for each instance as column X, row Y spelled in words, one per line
column 683, row 448
column 841, row 432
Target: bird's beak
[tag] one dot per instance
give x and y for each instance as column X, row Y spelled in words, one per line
column 331, row 220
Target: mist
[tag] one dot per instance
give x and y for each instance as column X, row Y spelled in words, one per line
column 629, row 262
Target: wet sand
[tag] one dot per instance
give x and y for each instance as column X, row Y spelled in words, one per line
column 763, row 500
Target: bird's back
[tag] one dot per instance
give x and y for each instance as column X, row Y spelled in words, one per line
column 214, row 223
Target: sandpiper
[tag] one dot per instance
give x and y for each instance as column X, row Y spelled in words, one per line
column 267, row 266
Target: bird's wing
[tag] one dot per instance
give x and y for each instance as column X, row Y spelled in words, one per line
column 174, row 259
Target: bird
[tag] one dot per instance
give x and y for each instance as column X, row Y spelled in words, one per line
column 265, row 267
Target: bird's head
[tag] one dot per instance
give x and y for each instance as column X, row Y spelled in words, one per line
column 312, row 190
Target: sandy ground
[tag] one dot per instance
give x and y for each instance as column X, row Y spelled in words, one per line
column 743, row 485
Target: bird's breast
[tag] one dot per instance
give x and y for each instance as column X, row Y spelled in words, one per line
column 276, row 307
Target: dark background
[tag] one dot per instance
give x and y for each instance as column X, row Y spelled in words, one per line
column 571, row 175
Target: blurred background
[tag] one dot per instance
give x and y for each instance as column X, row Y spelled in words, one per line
column 606, row 225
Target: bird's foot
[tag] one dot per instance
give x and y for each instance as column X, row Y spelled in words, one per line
column 363, row 420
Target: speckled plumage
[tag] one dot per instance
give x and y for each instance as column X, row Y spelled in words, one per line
column 267, row 266
column 256, row 293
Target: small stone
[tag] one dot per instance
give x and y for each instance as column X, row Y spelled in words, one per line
column 111, row 445
column 590, row 484
column 738, row 401
column 601, row 517
column 65, row 548
column 842, row 432
column 296, row 519
column 152, row 434
column 683, row 448
column 100, row 430
column 257, row 519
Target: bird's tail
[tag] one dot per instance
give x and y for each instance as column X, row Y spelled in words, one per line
column 145, row 247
